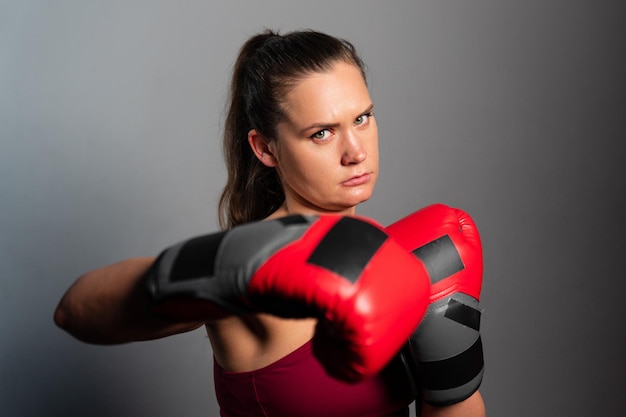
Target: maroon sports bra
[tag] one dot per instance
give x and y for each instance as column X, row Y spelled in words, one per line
column 297, row 385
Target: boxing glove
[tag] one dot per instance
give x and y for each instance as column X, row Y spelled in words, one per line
column 445, row 352
column 334, row 268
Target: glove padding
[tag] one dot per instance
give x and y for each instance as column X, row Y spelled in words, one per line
column 334, row 268
column 445, row 353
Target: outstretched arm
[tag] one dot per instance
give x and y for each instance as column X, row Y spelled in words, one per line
column 109, row 306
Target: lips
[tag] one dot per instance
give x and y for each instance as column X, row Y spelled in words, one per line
column 357, row 180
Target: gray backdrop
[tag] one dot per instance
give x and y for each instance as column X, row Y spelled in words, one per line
column 110, row 116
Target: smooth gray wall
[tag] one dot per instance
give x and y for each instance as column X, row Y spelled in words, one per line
column 110, row 116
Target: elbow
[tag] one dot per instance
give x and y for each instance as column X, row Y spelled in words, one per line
column 65, row 318
column 60, row 317
column 68, row 321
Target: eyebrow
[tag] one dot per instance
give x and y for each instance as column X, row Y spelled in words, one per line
column 321, row 126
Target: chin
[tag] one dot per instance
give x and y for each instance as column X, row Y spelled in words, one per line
column 364, row 195
column 356, row 200
column 347, row 201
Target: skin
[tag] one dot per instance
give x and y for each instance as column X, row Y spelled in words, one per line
column 326, row 154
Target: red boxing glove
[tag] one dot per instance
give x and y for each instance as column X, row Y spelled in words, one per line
column 333, row 268
column 446, row 347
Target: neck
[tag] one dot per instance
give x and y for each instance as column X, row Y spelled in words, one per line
column 293, row 207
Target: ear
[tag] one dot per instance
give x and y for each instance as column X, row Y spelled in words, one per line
column 261, row 148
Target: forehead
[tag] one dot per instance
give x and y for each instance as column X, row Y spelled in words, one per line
column 323, row 96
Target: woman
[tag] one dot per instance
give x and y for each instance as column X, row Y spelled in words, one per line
column 300, row 138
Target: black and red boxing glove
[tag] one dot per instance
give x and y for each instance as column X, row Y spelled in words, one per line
column 333, row 268
column 446, row 349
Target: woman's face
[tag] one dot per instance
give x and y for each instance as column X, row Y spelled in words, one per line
column 326, row 150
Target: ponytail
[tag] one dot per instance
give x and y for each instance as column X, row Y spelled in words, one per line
column 268, row 65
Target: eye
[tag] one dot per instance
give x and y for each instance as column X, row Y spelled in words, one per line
column 363, row 119
column 321, row 135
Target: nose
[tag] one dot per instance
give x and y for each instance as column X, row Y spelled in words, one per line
column 354, row 151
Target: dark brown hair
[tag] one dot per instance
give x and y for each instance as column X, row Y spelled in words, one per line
column 268, row 65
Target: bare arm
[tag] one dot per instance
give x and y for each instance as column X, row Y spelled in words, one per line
column 472, row 407
column 108, row 306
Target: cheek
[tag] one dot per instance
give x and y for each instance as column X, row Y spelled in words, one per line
column 300, row 169
column 317, row 174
